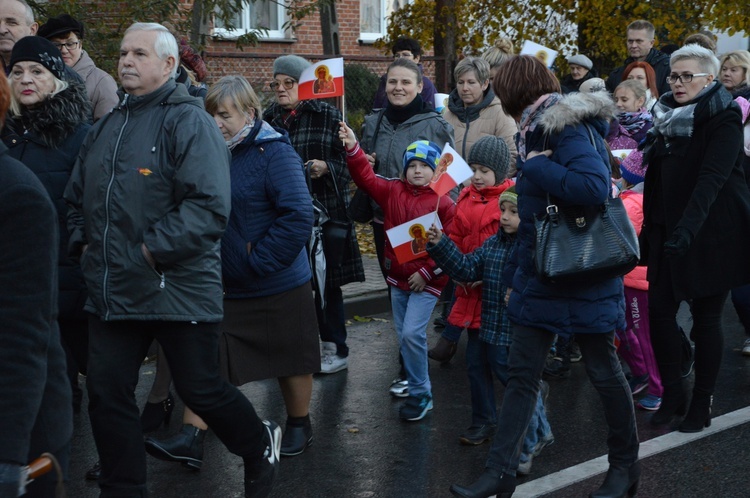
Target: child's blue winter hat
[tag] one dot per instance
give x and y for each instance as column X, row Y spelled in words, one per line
column 422, row 150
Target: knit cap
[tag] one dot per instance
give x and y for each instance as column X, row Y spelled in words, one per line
column 581, row 60
column 41, row 50
column 422, row 150
column 633, row 170
column 510, row 195
column 291, row 65
column 491, row 152
column 592, row 85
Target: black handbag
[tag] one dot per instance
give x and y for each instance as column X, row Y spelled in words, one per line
column 336, row 233
column 585, row 244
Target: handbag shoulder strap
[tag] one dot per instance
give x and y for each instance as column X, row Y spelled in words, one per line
column 375, row 135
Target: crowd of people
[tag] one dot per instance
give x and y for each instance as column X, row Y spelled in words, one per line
column 173, row 211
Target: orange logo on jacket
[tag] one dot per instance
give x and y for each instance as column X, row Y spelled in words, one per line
column 144, row 171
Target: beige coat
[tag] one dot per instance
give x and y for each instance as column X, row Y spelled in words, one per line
column 491, row 120
column 100, row 86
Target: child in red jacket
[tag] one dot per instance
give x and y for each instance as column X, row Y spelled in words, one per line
column 477, row 218
column 416, row 284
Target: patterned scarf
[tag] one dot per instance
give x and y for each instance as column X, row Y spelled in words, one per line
column 672, row 120
column 633, row 122
column 530, row 119
column 240, row 135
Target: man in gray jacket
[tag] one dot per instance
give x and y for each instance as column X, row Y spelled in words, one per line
column 149, row 200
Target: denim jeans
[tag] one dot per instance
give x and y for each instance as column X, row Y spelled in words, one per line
column 331, row 321
column 482, row 361
column 526, row 362
column 411, row 314
column 116, row 350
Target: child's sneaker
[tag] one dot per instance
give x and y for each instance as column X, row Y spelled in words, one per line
column 416, row 407
column 399, row 388
column 524, row 464
column 638, row 384
column 649, row 402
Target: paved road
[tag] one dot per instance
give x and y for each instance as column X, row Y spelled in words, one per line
column 362, row 450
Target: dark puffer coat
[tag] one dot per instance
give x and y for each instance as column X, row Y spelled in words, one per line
column 46, row 139
column 577, row 174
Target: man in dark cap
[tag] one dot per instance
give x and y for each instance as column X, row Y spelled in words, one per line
column 66, row 33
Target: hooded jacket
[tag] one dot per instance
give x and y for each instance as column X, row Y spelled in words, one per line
column 272, row 210
column 474, row 122
column 47, row 138
column 577, row 173
column 402, row 202
column 154, row 171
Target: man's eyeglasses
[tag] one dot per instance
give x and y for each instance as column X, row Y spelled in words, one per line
column 71, row 45
column 288, row 84
column 684, row 78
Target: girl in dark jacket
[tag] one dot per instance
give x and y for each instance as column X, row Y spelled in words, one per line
column 696, row 226
column 49, row 119
column 558, row 159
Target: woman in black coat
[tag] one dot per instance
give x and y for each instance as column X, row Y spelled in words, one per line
column 696, row 226
column 49, row 119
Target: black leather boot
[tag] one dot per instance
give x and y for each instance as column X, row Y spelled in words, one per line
column 185, row 447
column 620, row 482
column 155, row 414
column 673, row 404
column 490, row 483
column 699, row 414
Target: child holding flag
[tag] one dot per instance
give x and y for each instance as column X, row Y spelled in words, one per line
column 487, row 354
column 415, row 280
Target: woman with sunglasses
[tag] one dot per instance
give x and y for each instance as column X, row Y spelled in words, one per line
column 313, row 130
column 696, row 226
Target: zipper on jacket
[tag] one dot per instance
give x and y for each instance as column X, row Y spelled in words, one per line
column 107, row 199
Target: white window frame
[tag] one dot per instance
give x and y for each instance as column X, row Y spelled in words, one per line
column 243, row 28
column 370, row 37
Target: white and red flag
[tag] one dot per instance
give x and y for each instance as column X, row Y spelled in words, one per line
column 322, row 80
column 409, row 240
column 450, row 172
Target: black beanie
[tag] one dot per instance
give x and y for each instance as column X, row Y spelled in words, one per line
column 41, row 50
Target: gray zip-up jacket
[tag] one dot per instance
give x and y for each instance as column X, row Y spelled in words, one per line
column 153, row 171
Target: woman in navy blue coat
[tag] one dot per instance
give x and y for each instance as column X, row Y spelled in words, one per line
column 556, row 157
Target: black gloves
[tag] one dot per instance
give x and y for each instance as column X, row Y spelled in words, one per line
column 679, row 243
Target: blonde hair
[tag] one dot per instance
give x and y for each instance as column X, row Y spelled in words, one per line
column 238, row 91
column 499, row 53
column 739, row 58
column 635, row 86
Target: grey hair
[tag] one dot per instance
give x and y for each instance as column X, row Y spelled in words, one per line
column 642, row 24
column 29, row 11
column 165, row 43
column 15, row 107
column 480, row 67
column 703, row 56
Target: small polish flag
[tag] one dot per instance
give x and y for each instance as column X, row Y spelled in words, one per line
column 409, row 240
column 450, row 172
column 322, row 80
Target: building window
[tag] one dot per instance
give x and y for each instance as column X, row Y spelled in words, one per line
column 260, row 14
column 373, row 17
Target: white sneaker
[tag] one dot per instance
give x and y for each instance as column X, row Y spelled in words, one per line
column 399, row 388
column 332, row 363
column 746, row 348
column 327, row 348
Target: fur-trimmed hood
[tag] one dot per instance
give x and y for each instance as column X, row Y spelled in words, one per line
column 56, row 118
column 576, row 108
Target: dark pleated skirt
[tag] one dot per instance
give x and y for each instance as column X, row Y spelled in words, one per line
column 269, row 337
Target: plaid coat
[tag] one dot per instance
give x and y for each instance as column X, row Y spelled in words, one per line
column 487, row 264
column 313, row 130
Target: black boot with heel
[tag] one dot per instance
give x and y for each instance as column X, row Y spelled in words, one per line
column 673, row 404
column 185, row 447
column 155, row 414
column 699, row 414
column 621, row 481
column 490, row 483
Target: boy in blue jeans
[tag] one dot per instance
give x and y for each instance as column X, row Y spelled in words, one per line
column 487, row 352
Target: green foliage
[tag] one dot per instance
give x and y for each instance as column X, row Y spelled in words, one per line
column 361, row 85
